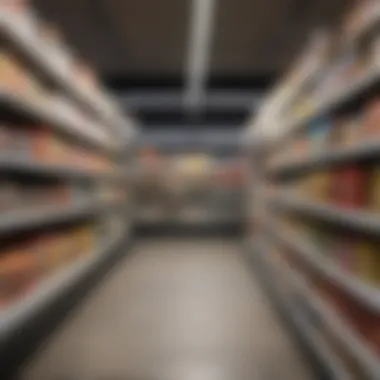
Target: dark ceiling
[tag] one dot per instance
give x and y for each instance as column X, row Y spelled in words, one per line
column 148, row 38
column 142, row 44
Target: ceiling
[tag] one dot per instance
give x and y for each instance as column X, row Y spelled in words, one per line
column 142, row 44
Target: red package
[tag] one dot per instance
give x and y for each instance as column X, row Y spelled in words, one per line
column 349, row 187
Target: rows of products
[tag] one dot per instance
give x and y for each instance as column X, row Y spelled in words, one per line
column 341, row 62
column 329, row 272
column 350, row 186
column 34, row 255
column 41, row 144
column 18, row 194
column 188, row 187
column 25, row 261
column 363, row 322
column 352, row 253
column 47, row 41
column 326, row 134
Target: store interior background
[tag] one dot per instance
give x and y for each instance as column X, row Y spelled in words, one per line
column 190, row 270
column 144, row 52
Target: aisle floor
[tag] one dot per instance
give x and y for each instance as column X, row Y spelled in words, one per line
column 173, row 309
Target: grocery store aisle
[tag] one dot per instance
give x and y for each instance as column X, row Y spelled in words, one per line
column 176, row 309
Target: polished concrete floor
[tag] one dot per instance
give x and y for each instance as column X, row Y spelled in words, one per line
column 175, row 310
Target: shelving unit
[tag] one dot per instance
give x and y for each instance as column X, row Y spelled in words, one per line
column 33, row 50
column 332, row 364
column 317, row 197
column 64, row 194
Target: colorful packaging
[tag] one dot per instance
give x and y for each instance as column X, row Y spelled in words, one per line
column 318, row 134
column 374, row 191
column 371, row 125
column 346, row 250
column 18, row 273
column 352, row 131
column 368, row 262
column 350, row 187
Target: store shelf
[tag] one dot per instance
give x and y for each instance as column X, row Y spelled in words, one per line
column 25, row 165
column 24, row 220
column 372, row 21
column 32, row 50
column 313, row 339
column 340, row 328
column 345, row 95
column 84, row 131
column 14, row 318
column 358, row 220
column 364, row 293
column 358, row 153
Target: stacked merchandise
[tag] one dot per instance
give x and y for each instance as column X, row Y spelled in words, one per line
column 62, row 192
column 42, row 44
column 322, row 203
column 189, row 188
column 26, row 262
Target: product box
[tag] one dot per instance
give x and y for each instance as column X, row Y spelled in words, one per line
column 350, row 187
column 317, row 185
column 42, row 144
column 346, row 251
column 318, row 134
column 19, row 273
column 352, row 130
column 368, row 262
column 374, row 190
column 371, row 124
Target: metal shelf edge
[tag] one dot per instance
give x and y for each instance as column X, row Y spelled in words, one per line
column 365, row 294
column 12, row 319
column 363, row 221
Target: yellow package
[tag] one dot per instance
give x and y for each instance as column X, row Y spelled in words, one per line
column 374, row 191
column 368, row 262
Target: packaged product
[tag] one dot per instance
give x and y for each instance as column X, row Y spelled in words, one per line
column 301, row 147
column 317, row 185
column 374, row 190
column 350, row 187
column 50, row 249
column 5, row 138
column 14, row 6
column 18, row 273
column 12, row 77
column 352, row 130
column 346, row 250
column 337, row 131
column 42, row 144
column 85, row 239
column 371, row 124
column 318, row 134
column 368, row 262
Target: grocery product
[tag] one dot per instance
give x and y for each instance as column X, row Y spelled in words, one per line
column 368, row 261
column 316, row 185
column 349, row 187
column 19, row 271
column 318, row 133
column 374, row 190
column 346, row 250
column 371, row 122
column 352, row 130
